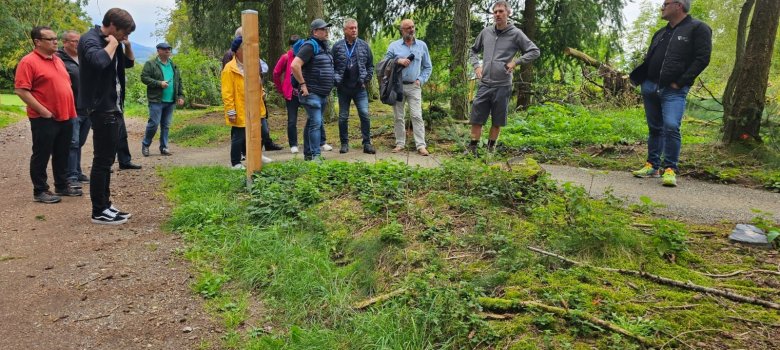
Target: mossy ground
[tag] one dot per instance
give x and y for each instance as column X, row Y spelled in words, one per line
column 285, row 264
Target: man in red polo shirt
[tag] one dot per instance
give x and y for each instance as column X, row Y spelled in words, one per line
column 43, row 83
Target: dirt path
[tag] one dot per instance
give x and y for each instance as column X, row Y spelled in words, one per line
column 68, row 284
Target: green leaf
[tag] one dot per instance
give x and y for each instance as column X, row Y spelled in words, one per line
column 772, row 235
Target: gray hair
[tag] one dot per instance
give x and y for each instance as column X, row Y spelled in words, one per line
column 504, row 4
column 348, row 21
column 64, row 35
column 239, row 32
column 686, row 4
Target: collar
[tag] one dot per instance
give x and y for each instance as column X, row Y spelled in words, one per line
column 41, row 55
column 161, row 62
column 687, row 18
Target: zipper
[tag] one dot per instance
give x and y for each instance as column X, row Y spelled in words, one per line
column 663, row 63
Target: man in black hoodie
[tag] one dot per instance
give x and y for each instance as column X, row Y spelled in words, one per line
column 678, row 53
column 70, row 56
column 104, row 53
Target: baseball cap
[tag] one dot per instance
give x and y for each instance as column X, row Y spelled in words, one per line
column 319, row 24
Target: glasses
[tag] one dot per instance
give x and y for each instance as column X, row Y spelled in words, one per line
column 666, row 4
column 48, row 39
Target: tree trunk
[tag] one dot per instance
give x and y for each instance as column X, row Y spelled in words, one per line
column 460, row 34
column 524, row 92
column 276, row 40
column 743, row 122
column 728, row 93
column 314, row 9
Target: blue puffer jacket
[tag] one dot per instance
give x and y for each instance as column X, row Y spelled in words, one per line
column 365, row 60
column 318, row 73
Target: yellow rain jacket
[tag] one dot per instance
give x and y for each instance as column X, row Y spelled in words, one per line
column 233, row 98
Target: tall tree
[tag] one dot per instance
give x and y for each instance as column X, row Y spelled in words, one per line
column 527, row 70
column 277, row 43
column 743, row 121
column 314, row 9
column 460, row 36
column 728, row 93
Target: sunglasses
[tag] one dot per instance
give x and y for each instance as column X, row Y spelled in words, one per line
column 666, row 4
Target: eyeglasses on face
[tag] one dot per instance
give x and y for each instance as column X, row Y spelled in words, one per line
column 666, row 4
column 48, row 39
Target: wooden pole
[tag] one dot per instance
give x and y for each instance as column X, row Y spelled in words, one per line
column 252, row 92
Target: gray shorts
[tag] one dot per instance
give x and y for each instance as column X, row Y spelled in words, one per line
column 493, row 101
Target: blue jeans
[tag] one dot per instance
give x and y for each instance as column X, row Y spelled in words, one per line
column 360, row 96
column 237, row 144
column 664, row 107
column 292, row 122
column 159, row 114
column 312, row 134
column 81, row 127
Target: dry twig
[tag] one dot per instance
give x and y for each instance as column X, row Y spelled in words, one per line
column 377, row 299
column 670, row 282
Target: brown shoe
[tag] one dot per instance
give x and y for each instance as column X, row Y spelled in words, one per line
column 422, row 151
column 398, row 148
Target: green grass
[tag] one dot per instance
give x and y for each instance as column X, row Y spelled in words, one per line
column 10, row 115
column 309, row 241
column 10, row 100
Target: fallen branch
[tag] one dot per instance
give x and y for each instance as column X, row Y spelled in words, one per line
column 775, row 325
column 675, row 307
column 98, row 316
column 688, row 332
column 498, row 304
column 378, row 299
column 739, row 272
column 669, row 282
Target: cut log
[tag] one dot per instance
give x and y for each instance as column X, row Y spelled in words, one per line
column 616, row 83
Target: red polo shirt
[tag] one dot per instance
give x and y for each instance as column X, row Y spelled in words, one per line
column 49, row 82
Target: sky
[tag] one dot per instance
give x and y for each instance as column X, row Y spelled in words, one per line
column 146, row 13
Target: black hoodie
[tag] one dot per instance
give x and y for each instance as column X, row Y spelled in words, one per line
column 73, row 70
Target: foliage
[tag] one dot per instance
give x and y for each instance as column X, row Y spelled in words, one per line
column 559, row 127
column 200, row 79
column 311, row 240
column 10, row 115
column 20, row 16
column 669, row 237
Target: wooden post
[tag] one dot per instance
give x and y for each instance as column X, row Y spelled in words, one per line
column 252, row 91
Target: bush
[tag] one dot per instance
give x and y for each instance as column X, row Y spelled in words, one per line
column 200, row 76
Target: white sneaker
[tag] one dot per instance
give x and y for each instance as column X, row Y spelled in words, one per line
column 239, row 166
column 294, row 149
column 267, row 160
column 327, row 147
column 118, row 212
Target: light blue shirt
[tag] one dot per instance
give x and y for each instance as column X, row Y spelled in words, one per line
column 420, row 68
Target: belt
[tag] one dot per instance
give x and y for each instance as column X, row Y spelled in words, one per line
column 408, row 82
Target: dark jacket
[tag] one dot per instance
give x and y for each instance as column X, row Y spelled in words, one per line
column 73, row 71
column 686, row 56
column 363, row 54
column 391, row 88
column 98, row 74
column 318, row 73
column 152, row 77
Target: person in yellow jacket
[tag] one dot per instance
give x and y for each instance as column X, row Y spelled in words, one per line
column 234, row 102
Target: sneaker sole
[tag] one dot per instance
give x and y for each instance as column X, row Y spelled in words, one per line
column 47, row 202
column 109, row 222
column 69, row 195
column 642, row 176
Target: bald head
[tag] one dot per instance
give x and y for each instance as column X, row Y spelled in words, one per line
column 407, row 30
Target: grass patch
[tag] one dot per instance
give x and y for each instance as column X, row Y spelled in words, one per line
column 11, row 114
column 11, row 100
column 310, row 241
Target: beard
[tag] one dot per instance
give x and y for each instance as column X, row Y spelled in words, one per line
column 408, row 37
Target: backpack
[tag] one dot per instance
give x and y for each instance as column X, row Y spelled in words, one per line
column 298, row 44
column 297, row 47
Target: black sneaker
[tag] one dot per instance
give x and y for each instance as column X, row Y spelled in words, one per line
column 273, row 147
column 118, row 212
column 344, row 148
column 107, row 217
column 471, row 150
column 369, row 149
column 129, row 166
column 83, row 179
column 69, row 192
column 74, row 184
column 46, row 197
column 165, row 152
column 145, row 150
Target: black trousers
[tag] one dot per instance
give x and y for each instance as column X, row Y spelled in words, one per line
column 123, row 149
column 237, row 144
column 50, row 139
column 105, row 137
